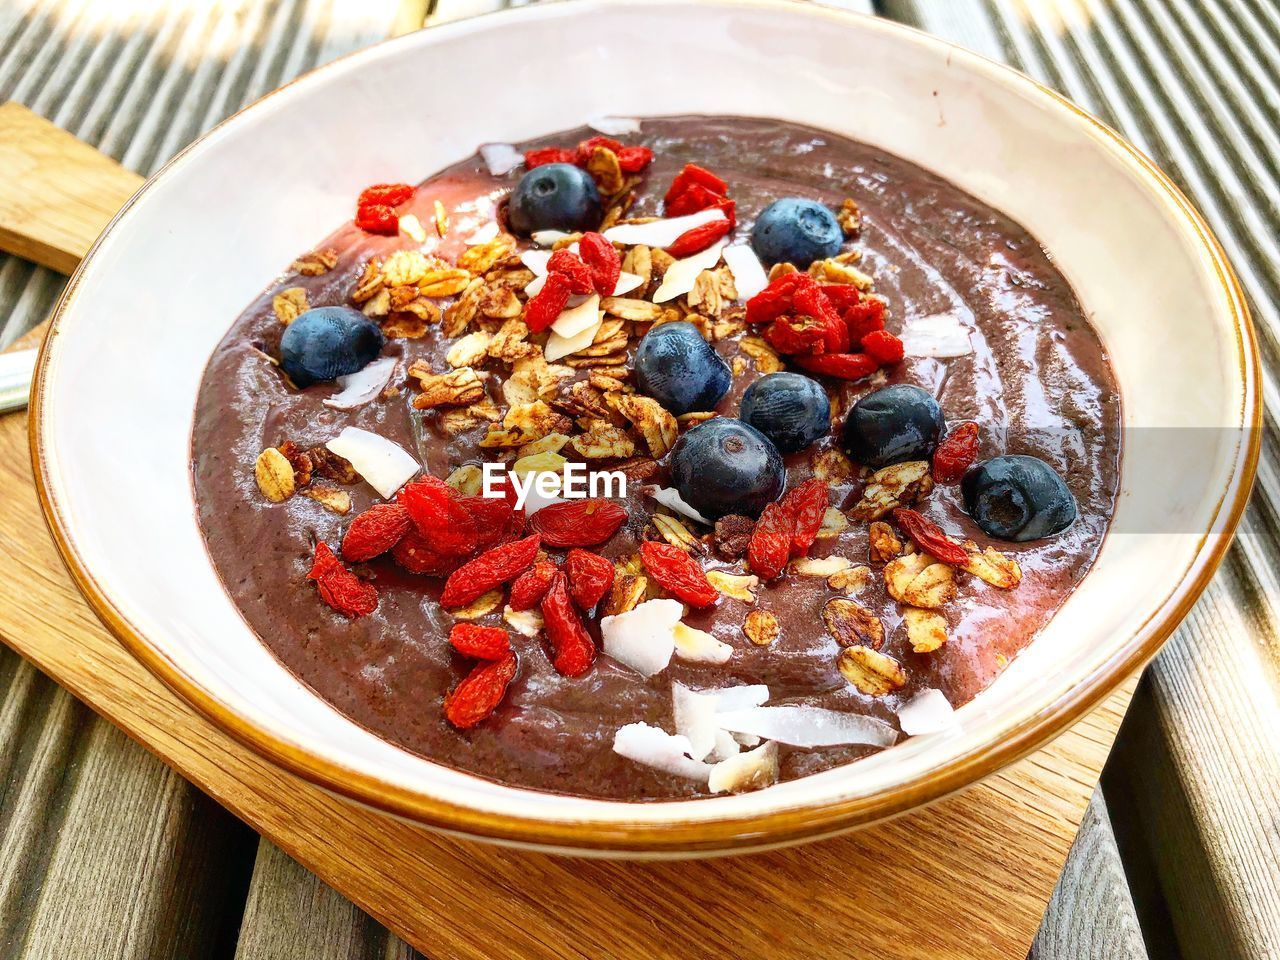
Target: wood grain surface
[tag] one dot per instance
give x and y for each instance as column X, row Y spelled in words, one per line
column 968, row 876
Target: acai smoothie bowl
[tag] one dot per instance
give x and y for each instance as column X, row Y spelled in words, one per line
column 644, row 466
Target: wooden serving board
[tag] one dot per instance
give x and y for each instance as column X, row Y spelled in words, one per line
column 968, row 877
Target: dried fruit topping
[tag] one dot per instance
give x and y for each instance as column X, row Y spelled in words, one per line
column 589, row 146
column 603, row 260
column 375, row 531
column 489, row 570
column 929, row 537
column 883, row 347
column 634, row 159
column 496, row 520
column 482, row 643
column 796, row 335
column 478, row 695
column 385, row 194
column 576, row 274
column 421, row 555
column 378, row 218
column 845, row 366
column 807, row 505
column 956, row 453
column 699, row 238
column 434, row 508
column 572, row 650
column 770, row 546
column 547, row 304
column 776, row 299
column 578, row 523
column 531, row 586
column 590, row 577
column 733, row 536
column 545, row 155
column 692, row 175
column 678, row 574
column 339, row 587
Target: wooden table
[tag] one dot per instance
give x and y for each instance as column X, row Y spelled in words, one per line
column 104, row 848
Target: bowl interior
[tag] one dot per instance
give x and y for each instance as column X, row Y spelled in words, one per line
column 159, row 291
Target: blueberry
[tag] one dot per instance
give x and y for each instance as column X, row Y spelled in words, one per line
column 327, row 343
column 555, row 196
column 789, row 409
column 1018, row 498
column 725, row 466
column 796, row 231
column 679, row 369
column 892, row 425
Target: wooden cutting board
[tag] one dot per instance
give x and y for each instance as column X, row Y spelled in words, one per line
column 968, row 877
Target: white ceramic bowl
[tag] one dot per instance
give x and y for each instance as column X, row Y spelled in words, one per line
column 118, row 378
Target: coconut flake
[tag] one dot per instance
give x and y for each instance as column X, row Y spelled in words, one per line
column 558, row 346
column 698, row 646
column 483, row 234
column 748, row 272
column 695, row 717
column 725, row 746
column 576, row 318
column 527, row 623
column 670, row 498
column 536, row 260
column 412, row 228
column 500, row 158
column 681, row 275
column 656, row 748
column 534, row 500
column 745, row 771
column 626, row 283
column 548, row 238
column 385, row 465
column 643, row 638
column 740, row 697
column 929, row 711
column 660, row 233
column 360, row 387
column 747, row 740
column 614, row 126
column 940, row 335
column 808, row 726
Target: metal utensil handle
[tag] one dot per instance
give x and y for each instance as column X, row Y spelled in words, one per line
column 16, row 370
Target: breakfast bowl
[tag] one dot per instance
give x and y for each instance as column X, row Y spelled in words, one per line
column 120, row 373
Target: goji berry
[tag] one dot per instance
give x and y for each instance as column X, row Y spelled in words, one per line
column 694, row 174
column 930, row 538
column 420, row 555
column 810, row 301
column 482, row 643
column 385, row 194
column 807, row 505
column 545, row 155
column 478, row 695
column 496, row 520
column 589, row 146
column 491, row 569
column 796, row 335
column 775, row 299
column 572, row 651
column 678, row 573
column 955, row 454
column 699, row 238
column 864, row 319
column 375, row 531
column 436, row 513
column 693, row 198
column 730, row 210
column 634, row 159
column 569, row 265
column 377, row 218
column 770, row 546
column 546, row 305
column 841, row 296
column 883, row 347
column 846, row 366
column 602, row 258
column 339, row 587
column 590, row 577
column 578, row 523
column 531, row 586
